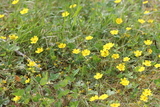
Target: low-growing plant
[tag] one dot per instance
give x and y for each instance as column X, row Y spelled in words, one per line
column 79, row 53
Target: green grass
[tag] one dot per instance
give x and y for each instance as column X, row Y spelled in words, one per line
column 60, row 78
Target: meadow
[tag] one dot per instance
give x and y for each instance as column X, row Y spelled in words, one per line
column 80, row 53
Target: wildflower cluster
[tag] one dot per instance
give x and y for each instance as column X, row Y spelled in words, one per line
column 96, row 97
column 145, row 94
column 106, row 48
column 61, row 54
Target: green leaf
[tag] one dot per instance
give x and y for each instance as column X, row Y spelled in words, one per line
column 19, row 92
column 62, row 83
column 96, row 59
column 53, row 76
column 43, row 81
column 4, row 101
column 28, row 88
column 110, row 92
column 63, row 93
column 58, row 104
column 157, row 82
column 73, row 104
column 3, row 54
column 13, row 47
column 26, row 101
column 75, row 72
column 36, row 98
column 77, row 11
column 92, row 92
column 9, row 47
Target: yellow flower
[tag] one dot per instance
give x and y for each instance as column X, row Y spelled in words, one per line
column 104, row 53
column 3, row 37
column 98, row 76
column 108, row 46
column 150, row 21
column 124, row 81
column 89, row 38
column 121, row 67
column 138, row 53
column 141, row 21
column 1, row 15
column 115, row 56
column 127, row 35
column 114, row 32
column 5, row 89
column 115, row 104
column 33, row 71
column 39, row 50
column 65, row 14
column 86, row 52
column 62, row 45
column 38, row 75
column 154, row 9
column 31, row 63
column 103, row 97
column 24, row 11
column 147, row 92
column 144, row 98
column 157, row 65
column 16, row 98
column 27, row 81
column 89, row 89
column 145, row 2
column 39, row 65
column 141, row 69
column 158, row 56
column 117, row 1
column 4, row 81
column 47, row 49
column 13, row 37
column 118, row 91
column 119, row 20
column 34, row 40
column 148, row 42
column 146, row 12
column 73, row 6
column 128, row 28
column 93, row 98
column 149, row 50
column 15, row 1
column 126, row 59
column 147, row 63
column 76, row 51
